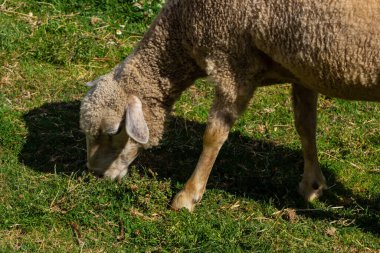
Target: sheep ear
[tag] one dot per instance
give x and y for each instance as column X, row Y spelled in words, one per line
column 135, row 124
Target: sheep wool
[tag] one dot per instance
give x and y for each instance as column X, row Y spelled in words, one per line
column 328, row 47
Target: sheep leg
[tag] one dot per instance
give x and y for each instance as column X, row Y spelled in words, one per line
column 221, row 119
column 305, row 109
column 194, row 188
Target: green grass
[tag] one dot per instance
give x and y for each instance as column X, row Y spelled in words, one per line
column 49, row 203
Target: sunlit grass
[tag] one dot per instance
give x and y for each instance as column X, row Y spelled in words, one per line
column 49, row 203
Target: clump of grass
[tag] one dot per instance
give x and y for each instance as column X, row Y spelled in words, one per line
column 12, row 131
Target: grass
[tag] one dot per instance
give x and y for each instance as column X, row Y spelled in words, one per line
column 49, row 203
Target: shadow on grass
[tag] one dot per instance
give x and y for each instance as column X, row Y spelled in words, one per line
column 261, row 170
column 55, row 142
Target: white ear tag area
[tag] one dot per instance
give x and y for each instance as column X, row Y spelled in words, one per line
column 135, row 124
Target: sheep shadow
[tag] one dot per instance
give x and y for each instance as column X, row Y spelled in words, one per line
column 257, row 169
column 55, row 143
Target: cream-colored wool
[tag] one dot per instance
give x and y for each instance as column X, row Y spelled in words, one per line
column 330, row 47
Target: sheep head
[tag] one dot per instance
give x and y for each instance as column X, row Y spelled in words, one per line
column 115, row 128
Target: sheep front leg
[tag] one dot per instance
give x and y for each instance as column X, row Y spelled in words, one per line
column 221, row 119
column 305, row 110
column 215, row 135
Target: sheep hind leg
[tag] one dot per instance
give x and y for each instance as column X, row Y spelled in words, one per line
column 305, row 110
column 221, row 119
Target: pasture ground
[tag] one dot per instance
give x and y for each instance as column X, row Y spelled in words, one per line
column 49, row 203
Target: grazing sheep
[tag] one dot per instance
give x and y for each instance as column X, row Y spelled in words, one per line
column 328, row 47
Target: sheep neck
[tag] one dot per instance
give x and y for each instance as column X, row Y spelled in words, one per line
column 158, row 75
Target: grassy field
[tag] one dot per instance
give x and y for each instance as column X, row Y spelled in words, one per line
column 49, row 203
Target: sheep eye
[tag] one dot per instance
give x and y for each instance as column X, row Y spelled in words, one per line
column 113, row 131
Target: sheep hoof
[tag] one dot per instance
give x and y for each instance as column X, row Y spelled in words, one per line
column 312, row 189
column 115, row 174
column 183, row 200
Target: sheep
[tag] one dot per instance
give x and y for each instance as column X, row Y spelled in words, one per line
column 325, row 47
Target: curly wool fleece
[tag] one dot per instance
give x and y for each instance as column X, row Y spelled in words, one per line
column 330, row 47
